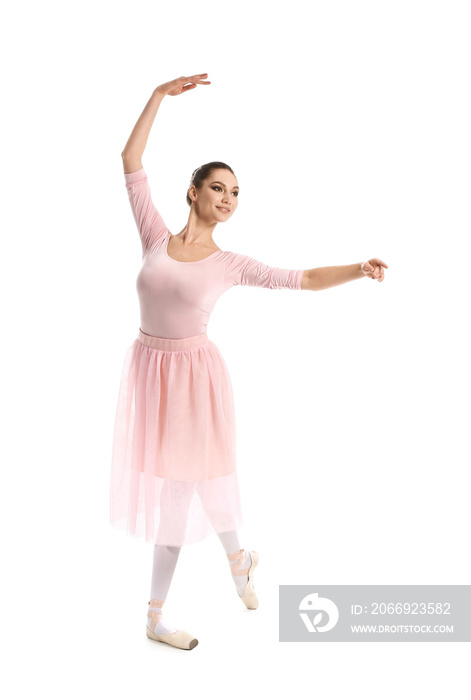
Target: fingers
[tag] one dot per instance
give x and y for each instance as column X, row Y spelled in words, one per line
column 367, row 268
column 197, row 79
column 373, row 270
column 193, row 81
column 378, row 273
column 194, row 84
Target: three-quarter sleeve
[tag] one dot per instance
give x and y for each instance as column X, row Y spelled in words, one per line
column 150, row 224
column 244, row 270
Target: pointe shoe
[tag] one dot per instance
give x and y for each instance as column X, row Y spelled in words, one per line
column 249, row 597
column 179, row 639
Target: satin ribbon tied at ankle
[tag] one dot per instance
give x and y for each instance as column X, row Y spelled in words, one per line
column 153, row 614
column 238, row 558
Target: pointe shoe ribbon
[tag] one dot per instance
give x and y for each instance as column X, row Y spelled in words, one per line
column 237, row 558
column 179, row 639
column 249, row 597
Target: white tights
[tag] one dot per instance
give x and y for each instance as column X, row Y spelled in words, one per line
column 163, row 567
column 165, row 560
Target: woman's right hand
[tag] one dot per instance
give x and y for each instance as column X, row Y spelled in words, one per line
column 177, row 86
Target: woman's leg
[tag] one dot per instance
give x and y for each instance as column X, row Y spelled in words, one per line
column 238, row 559
column 175, row 499
column 216, row 509
column 230, row 541
column 163, row 566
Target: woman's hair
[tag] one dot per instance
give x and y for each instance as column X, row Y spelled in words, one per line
column 200, row 174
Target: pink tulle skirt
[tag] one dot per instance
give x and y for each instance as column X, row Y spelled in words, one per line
column 173, row 470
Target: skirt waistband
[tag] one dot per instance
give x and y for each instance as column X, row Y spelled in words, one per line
column 154, row 341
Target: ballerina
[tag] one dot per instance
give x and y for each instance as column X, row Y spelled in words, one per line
column 174, row 476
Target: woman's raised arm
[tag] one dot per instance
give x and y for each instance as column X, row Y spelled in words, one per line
column 136, row 143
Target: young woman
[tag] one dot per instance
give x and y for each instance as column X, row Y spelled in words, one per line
column 173, row 474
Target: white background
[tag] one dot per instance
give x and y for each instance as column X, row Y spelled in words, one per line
column 347, row 125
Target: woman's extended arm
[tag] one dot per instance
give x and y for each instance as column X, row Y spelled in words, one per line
column 136, row 143
column 324, row 277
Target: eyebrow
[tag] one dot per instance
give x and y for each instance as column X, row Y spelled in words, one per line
column 223, row 183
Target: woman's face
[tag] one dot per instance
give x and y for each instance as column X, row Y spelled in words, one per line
column 217, row 198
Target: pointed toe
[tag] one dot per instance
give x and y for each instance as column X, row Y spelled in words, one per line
column 249, row 597
column 179, row 639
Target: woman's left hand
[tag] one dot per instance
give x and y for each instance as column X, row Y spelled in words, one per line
column 374, row 268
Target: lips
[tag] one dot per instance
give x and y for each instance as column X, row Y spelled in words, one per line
column 223, row 209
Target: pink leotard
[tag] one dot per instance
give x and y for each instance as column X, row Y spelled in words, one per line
column 176, row 298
